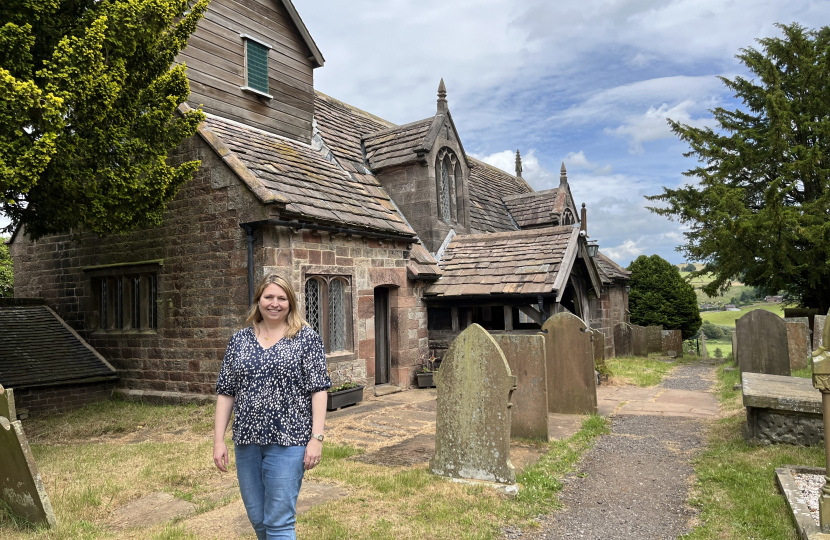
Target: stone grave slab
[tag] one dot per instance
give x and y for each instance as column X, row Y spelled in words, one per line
column 762, row 343
column 781, row 409
column 572, row 384
column 21, row 486
column 673, row 341
column 818, row 333
column 639, row 340
column 472, row 431
column 798, row 342
column 412, row 451
column 735, row 346
column 654, row 337
column 7, row 409
column 622, row 340
column 150, row 510
column 526, row 357
column 598, row 342
column 704, row 351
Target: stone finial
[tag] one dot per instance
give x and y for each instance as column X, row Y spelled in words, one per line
column 442, row 97
column 583, row 218
column 563, row 176
column 518, row 164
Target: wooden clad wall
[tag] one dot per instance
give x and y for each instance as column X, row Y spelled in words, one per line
column 215, row 67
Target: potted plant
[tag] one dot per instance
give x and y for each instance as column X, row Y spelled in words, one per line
column 343, row 395
column 426, row 369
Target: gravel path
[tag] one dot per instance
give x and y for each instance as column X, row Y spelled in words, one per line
column 633, row 484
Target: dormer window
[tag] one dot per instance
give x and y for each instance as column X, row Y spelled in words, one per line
column 256, row 66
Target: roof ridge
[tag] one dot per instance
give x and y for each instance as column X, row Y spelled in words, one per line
column 353, row 109
column 521, row 233
column 396, row 128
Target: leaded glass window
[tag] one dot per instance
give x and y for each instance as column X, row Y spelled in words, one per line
column 256, row 62
column 445, row 192
column 337, row 316
column 312, row 305
column 128, row 300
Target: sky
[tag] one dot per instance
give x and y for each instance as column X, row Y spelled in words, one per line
column 587, row 83
column 590, row 83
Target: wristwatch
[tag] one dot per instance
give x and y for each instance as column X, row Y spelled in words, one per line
column 318, row 436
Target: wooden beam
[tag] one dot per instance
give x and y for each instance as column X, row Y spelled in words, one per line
column 533, row 313
column 454, row 314
column 508, row 318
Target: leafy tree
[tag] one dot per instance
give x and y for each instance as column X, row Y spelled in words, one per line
column 88, row 104
column 718, row 352
column 760, row 209
column 711, row 330
column 659, row 295
column 6, row 274
column 689, row 268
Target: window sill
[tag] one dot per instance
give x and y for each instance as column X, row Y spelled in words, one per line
column 340, row 356
column 256, row 92
column 115, row 332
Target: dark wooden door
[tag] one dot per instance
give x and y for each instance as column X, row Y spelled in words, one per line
column 383, row 346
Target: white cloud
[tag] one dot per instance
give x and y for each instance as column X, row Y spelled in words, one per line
column 578, row 159
column 536, row 175
column 653, row 125
column 626, row 251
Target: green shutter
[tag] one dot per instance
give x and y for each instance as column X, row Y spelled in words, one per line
column 257, row 66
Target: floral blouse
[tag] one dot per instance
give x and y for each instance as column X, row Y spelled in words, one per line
column 272, row 387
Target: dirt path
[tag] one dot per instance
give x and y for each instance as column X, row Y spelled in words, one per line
column 634, row 483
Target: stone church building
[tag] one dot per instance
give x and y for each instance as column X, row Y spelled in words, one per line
column 394, row 237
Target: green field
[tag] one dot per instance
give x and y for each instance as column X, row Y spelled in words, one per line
column 702, row 298
column 728, row 318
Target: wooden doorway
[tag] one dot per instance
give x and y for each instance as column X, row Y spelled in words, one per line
column 383, row 345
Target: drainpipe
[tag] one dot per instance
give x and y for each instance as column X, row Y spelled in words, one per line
column 249, row 232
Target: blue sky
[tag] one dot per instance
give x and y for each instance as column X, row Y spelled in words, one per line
column 589, row 83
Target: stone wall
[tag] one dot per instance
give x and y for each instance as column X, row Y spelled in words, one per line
column 773, row 426
column 52, row 399
column 203, row 283
column 607, row 311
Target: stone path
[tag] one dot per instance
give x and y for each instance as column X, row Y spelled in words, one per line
column 634, row 483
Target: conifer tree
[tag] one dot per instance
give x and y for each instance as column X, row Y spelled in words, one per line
column 760, row 209
column 660, row 296
column 88, row 103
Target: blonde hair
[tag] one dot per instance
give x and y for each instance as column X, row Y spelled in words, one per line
column 294, row 320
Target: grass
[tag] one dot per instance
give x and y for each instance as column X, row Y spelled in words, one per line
column 728, row 318
column 89, row 470
column 735, row 489
column 638, row 370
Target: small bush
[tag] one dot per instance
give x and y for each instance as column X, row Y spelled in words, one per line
column 718, row 353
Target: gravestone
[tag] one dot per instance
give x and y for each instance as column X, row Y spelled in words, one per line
column 598, row 341
column 654, row 335
column 735, row 346
column 762, row 343
column 798, row 341
column 472, row 428
column 7, row 404
column 818, row 333
column 673, row 341
column 572, row 384
column 622, row 339
column 704, row 352
column 526, row 358
column 21, row 487
column 639, row 340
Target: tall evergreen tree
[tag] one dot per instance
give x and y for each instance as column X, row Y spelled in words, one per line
column 760, row 209
column 88, row 103
column 659, row 295
column 6, row 270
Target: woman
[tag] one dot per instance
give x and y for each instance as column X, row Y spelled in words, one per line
column 274, row 378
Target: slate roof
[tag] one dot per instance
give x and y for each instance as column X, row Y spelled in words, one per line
column 293, row 174
column 398, row 145
column 422, row 265
column 609, row 270
column 343, row 126
column 536, row 209
column 517, row 262
column 37, row 348
column 488, row 185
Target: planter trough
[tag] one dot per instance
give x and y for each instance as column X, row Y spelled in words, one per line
column 344, row 398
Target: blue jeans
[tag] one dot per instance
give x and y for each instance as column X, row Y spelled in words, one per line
column 270, row 477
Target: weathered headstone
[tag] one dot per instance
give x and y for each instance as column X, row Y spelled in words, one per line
column 818, row 333
column 639, row 340
column 704, row 352
column 572, row 384
column 598, row 341
column 762, row 343
column 472, row 429
column 798, row 342
column 654, row 335
column 735, row 346
column 21, row 487
column 673, row 341
column 7, row 404
column 526, row 357
column 622, row 340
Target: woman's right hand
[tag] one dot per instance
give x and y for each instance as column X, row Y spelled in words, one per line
column 220, row 455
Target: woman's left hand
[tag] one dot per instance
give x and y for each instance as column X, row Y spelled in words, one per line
column 313, row 454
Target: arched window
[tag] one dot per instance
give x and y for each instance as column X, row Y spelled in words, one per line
column 568, row 217
column 447, row 172
column 328, row 311
column 445, row 191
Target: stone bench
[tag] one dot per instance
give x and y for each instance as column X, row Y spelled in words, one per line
column 781, row 409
